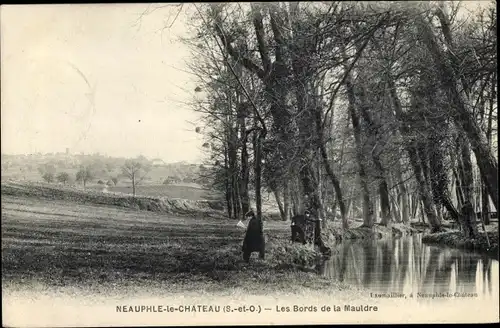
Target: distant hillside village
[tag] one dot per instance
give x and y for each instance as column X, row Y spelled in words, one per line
column 104, row 168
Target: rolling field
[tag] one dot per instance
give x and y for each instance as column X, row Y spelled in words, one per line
column 171, row 191
column 60, row 243
column 187, row 191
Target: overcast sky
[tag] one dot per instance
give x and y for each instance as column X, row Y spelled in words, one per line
column 97, row 78
column 58, row 60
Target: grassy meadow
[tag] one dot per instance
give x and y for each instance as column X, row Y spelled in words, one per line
column 161, row 190
column 65, row 242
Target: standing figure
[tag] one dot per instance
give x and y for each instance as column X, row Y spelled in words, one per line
column 254, row 237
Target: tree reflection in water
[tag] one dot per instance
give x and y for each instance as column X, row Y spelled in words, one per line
column 406, row 265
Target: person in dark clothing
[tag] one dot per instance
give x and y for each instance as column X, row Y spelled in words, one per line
column 298, row 225
column 306, row 228
column 254, row 237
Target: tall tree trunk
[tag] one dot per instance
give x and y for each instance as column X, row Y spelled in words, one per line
column 286, row 200
column 439, row 181
column 425, row 194
column 259, row 137
column 423, row 188
column 245, row 169
column 415, row 205
column 385, row 204
column 228, row 191
column 457, row 169
column 485, row 201
column 374, row 132
column 489, row 129
column 393, row 200
column 322, row 213
column 461, row 116
column 368, row 219
column 274, row 78
column 405, row 208
column 276, row 194
column 470, row 226
column 485, row 204
column 468, row 178
column 422, row 151
column 133, row 186
column 233, row 171
column 295, row 193
column 422, row 211
column 396, row 211
column 329, row 171
column 236, row 197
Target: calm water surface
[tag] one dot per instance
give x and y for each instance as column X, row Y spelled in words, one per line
column 406, row 266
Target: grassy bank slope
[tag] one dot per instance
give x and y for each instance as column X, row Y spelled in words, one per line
column 62, row 243
column 78, row 196
column 484, row 243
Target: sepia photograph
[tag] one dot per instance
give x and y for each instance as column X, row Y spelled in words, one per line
column 249, row 163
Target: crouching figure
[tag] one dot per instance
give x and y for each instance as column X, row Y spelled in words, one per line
column 307, row 229
column 254, row 237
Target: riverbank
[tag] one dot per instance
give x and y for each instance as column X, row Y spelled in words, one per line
column 333, row 232
column 487, row 242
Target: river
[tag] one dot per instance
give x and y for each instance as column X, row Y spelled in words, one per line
column 408, row 266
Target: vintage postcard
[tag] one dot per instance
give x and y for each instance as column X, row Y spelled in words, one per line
column 249, row 163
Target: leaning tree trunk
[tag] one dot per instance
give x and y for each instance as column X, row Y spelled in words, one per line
column 423, row 189
column 276, row 194
column 273, row 77
column 422, row 153
column 425, row 194
column 393, row 200
column 422, row 211
column 439, row 182
column 468, row 179
column 396, row 211
column 456, row 170
column 470, row 226
column 486, row 161
column 329, row 171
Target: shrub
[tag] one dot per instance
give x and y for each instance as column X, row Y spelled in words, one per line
column 48, row 177
column 63, row 177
